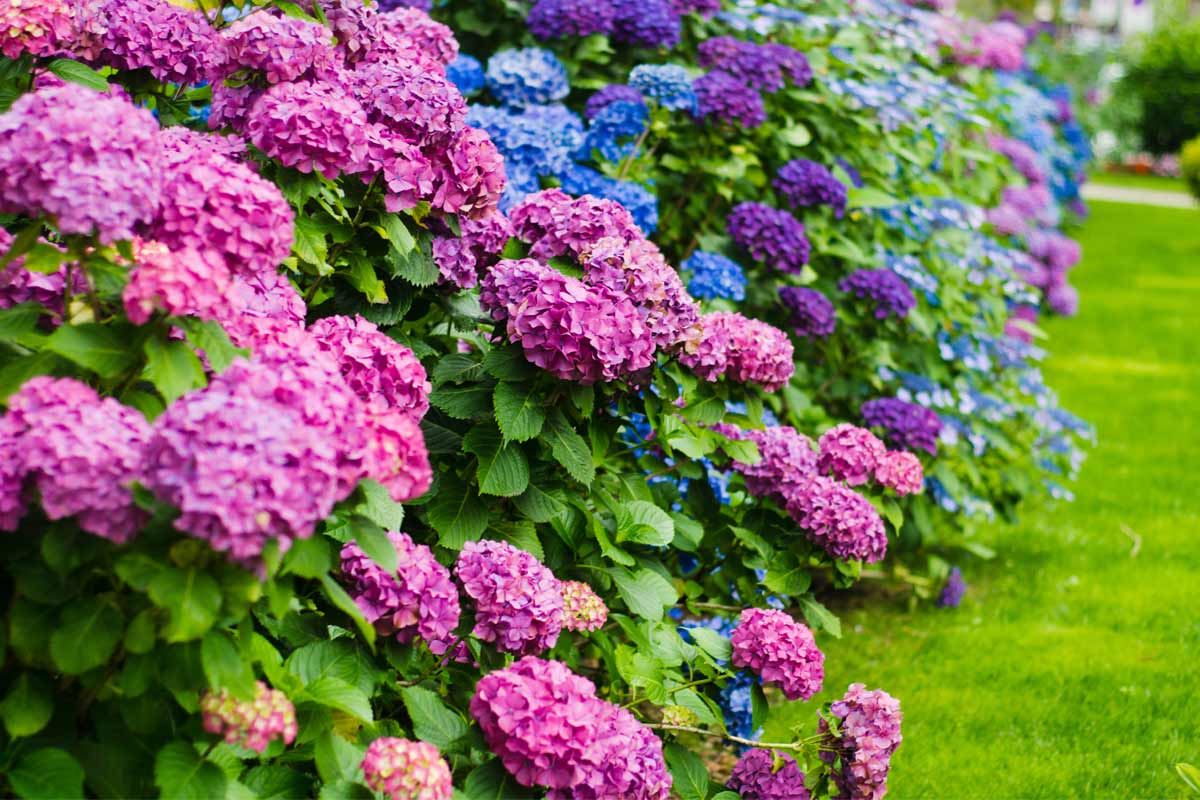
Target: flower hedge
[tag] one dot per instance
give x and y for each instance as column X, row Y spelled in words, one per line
column 360, row 438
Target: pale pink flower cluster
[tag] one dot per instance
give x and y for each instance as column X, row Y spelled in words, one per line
column 779, row 650
column 401, row 769
column 253, row 724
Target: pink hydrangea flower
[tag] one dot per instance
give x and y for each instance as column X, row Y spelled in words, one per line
column 418, row 106
column 231, row 105
column 461, row 259
column 282, row 48
column 779, row 650
column 12, row 473
column 869, row 735
column 80, row 451
column 742, row 349
column 469, row 175
column 38, row 27
column 262, row 310
column 175, row 43
column 837, row 519
column 414, row 25
column 253, row 724
column 401, row 769
column 89, row 161
column 518, row 604
column 19, row 285
column 583, row 610
column 850, row 453
column 383, row 373
column 901, row 471
column 549, row 729
column 786, row 458
column 767, row 775
column 313, row 127
column 396, row 454
column 553, row 223
column 183, row 283
column 1007, row 220
column 419, row 599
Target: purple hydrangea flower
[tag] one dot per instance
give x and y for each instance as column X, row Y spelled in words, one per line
column 953, row 590
column 728, row 99
column 420, row 107
column 812, row 314
column 553, row 19
column 766, row 775
column 461, row 259
column 779, row 650
column 382, row 372
column 786, row 458
column 612, row 93
column 176, row 44
column 90, row 162
column 1059, row 253
column 282, row 48
column 869, row 733
column 470, row 178
column 807, row 183
column 555, row 224
column 313, row 127
column 410, row 34
column 850, row 453
column 769, row 235
column 905, row 425
column 401, row 769
column 837, row 519
column 518, row 601
column 763, row 67
column 646, row 23
column 1063, row 299
column 887, row 292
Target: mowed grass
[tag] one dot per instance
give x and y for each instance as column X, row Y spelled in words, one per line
column 1134, row 181
column 1072, row 669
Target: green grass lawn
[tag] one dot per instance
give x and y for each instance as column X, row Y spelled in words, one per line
column 1156, row 182
column 1072, row 669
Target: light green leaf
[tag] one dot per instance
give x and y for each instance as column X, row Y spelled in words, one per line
column 308, row 242
column 644, row 523
column 191, row 597
column 503, row 469
column 211, row 338
column 433, row 722
column 1189, row 775
column 47, row 774
column 786, row 575
column 96, row 347
column 645, row 592
column 712, row 643
column 172, row 368
column 795, row 135
column 708, row 411
column 379, row 507
column 181, row 774
column 78, row 73
column 337, row 759
column 337, row 693
column 518, row 411
column 398, row 236
column 818, row 616
column 869, row 197
column 87, row 634
column 690, row 778
column 375, row 543
column 523, row 536
column 538, row 505
column 28, row 705
column 308, row 558
column 569, row 448
column 223, row 665
column 456, row 513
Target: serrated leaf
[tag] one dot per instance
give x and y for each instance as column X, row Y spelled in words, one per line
column 712, row 643
column 98, row 348
column 503, row 469
column 28, row 705
column 275, row 782
column 645, row 592
column 742, row 450
column 181, row 774
column 172, row 368
column 337, row 759
column 523, row 536
column 439, row 439
column 818, row 616
column 492, row 781
column 456, row 513
column 308, row 240
column 223, row 665
column 692, row 701
column 690, row 778
column 463, row 402
column 416, row 266
column 457, row 367
column 191, row 597
column 568, row 447
column 688, row 532
column 538, row 505
column 786, row 575
column 755, row 542
column 78, row 73
column 708, row 411
column 433, row 722
column 47, row 774
column 337, row 693
column 508, row 364
column 87, row 634
column 518, row 411
column 645, row 523
column 378, row 506
column 398, row 236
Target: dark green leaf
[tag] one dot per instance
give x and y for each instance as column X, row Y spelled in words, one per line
column 361, row 275
column 14, row 374
column 644, row 523
column 508, row 364
column 172, row 368
column 416, row 266
column 181, row 774
column 375, row 543
column 98, row 348
column 191, row 597
column 518, row 411
column 19, row 320
column 523, row 535
column 463, row 402
column 688, row 771
column 538, row 505
column 336, row 758
column 456, row 513
column 308, row 558
column 274, row 782
column 47, row 774
column 503, row 469
column 568, row 447
column 87, row 634
column 78, row 73
column 433, row 722
column 440, row 439
column 493, row 782
column 457, row 367
column 337, row 595
column 755, row 542
column 28, row 705
column 337, row 693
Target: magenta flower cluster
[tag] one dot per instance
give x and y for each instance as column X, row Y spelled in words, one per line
column 837, row 519
column 418, row 599
column 868, row 735
column 771, row 236
column 741, row 349
column 812, row 313
column 779, row 650
column 462, row 259
column 37, row 27
column 384, row 374
column 786, row 459
column 767, row 775
column 550, row 729
column 850, row 453
column 173, row 43
column 401, row 769
column 252, row 724
column 518, row 601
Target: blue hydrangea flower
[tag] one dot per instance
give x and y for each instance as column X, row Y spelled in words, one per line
column 526, row 77
column 538, row 139
column 614, row 130
column 466, row 73
column 641, row 204
column 669, row 84
column 714, row 275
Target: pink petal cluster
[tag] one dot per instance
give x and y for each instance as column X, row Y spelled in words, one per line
column 313, row 127
column 461, row 259
column 412, row 25
column 81, row 452
column 282, row 48
column 553, row 223
column 261, row 310
column 420, row 107
column 997, row 45
column 89, row 161
column 396, row 454
column 869, row 733
column 518, row 604
column 469, row 176
column 401, row 769
column 1059, row 253
column 176, row 44
column 850, row 453
column 184, row 283
column 786, row 459
column 549, row 729
column 742, row 349
column 767, row 775
column 19, row 285
column 37, row 27
column 567, row 328
column 583, row 610
column 780, row 651
column 837, row 519
column 418, row 599
column 382, row 372
column 901, row 471
column 253, row 724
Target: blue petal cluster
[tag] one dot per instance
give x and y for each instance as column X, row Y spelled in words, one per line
column 714, row 275
column 641, row 204
column 669, row 84
column 525, row 77
column 466, row 73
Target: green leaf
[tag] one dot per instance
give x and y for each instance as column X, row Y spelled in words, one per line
column 361, row 275
column 742, row 450
column 463, row 402
column 211, row 338
column 28, row 705
column 457, row 368
column 439, row 439
column 172, row 368
column 726, row 795
column 755, row 542
column 456, row 513
column 378, row 506
column 644, row 523
column 398, row 236
column 645, row 592
column 223, row 665
column 308, row 242
column 818, row 616
column 690, row 778
column 568, row 447
column 688, row 532
column 432, row 721
column 503, row 469
column 87, row 634
column 337, row 595
column 518, row 411
column 708, row 411
column 141, row 633
column 337, row 693
column 98, row 348
column 275, row 782
column 191, row 597
column 78, row 73
column 375, row 543
column 795, row 135
column 19, row 320
column 181, row 774
column 47, row 774
column 787, row 575
column 336, row 758
column 869, row 197
column 308, row 558
column 1189, row 775
column 492, row 781
column 538, row 505
column 712, row 643
column 523, row 536
column 416, row 266
column 14, row 374
column 508, row 364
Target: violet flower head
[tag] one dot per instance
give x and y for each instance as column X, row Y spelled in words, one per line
column 1008, row 220
column 906, row 425
column 583, row 610
column 1023, row 157
column 412, row 27
column 764, row 67
column 900, row 471
column 420, row 107
column 418, row 599
column 767, row 775
column 182, row 283
column 80, row 451
column 786, row 457
column 90, row 162
column 553, row 223
column 401, row 769
column 704, row 8
column 1063, row 299
column 382, row 372
column 805, row 183
column 313, row 127
column 518, row 603
column 261, row 311
column 1057, row 252
column 253, row 724
column 281, row 48
column 771, row 236
column 812, row 313
column 38, row 27
column 838, row 519
column 953, row 590
column 612, row 93
column 646, row 23
column 850, row 453
column 554, row 19
column 461, row 259
column 779, row 650
column 725, row 98
column 869, row 733
column 885, row 291
column 176, row 44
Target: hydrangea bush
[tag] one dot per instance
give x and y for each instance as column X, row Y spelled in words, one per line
column 362, row 437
